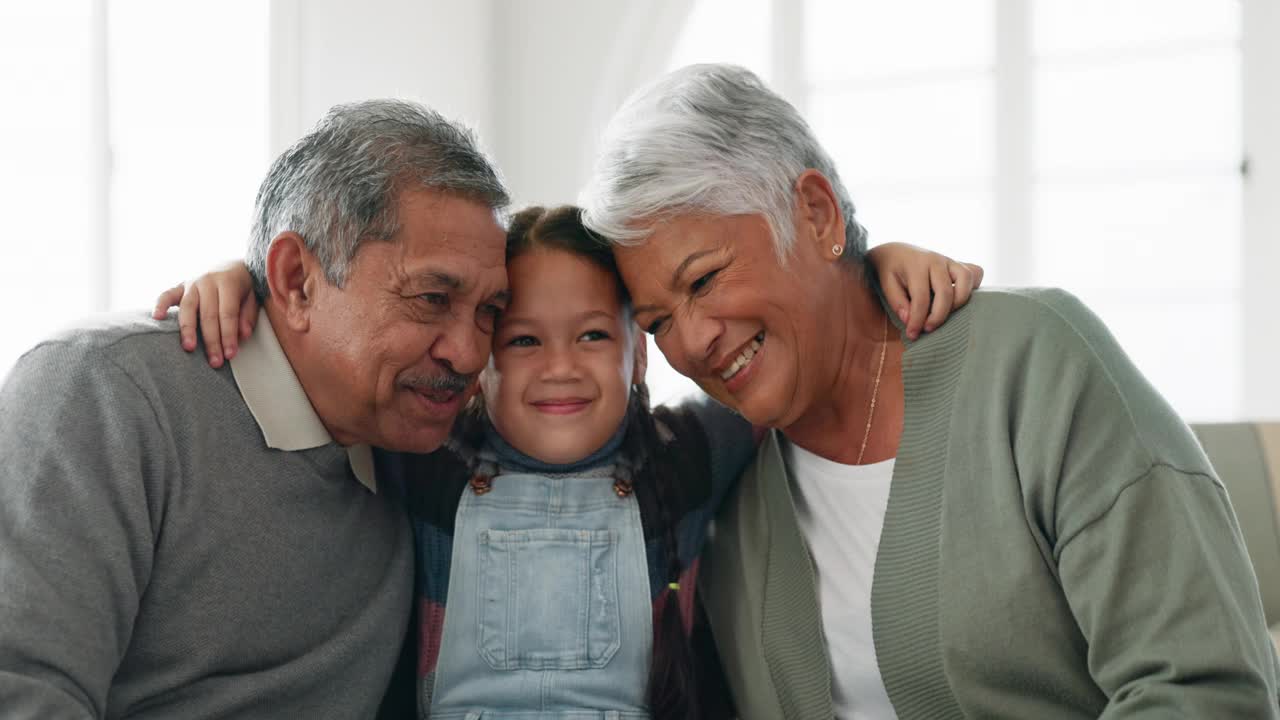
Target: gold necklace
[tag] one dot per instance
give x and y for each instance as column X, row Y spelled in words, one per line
column 875, row 390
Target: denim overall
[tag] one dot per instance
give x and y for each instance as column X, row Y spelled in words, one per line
column 548, row 613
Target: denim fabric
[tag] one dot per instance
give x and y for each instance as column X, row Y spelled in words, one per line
column 549, row 613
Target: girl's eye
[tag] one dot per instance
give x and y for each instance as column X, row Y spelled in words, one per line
column 523, row 341
column 594, row 335
column 701, row 283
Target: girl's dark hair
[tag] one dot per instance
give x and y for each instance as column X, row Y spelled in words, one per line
column 657, row 478
column 561, row 228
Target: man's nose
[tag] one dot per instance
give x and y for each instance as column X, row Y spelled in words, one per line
column 463, row 348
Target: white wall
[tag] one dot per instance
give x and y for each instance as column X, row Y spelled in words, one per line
column 536, row 80
column 561, row 68
column 324, row 52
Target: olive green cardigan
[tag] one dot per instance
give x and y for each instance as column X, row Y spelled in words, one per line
column 1056, row 545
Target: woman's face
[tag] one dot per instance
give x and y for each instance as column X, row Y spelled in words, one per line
column 558, row 383
column 727, row 314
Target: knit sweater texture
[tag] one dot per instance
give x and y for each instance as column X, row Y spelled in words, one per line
column 158, row 560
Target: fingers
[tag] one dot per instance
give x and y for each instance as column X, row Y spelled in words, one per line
column 248, row 316
column 187, row 318
column 943, row 297
column 918, row 287
column 167, row 299
column 962, row 277
column 978, row 274
column 210, row 324
column 229, row 324
column 895, row 293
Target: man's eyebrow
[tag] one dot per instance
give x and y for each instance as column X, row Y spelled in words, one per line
column 444, row 279
column 437, row 279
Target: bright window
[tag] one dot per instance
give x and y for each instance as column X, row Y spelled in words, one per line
column 188, row 135
column 48, row 184
column 134, row 138
column 1137, row 186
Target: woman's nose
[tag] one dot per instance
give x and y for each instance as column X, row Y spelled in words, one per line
column 697, row 336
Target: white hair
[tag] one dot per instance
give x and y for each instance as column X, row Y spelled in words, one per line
column 707, row 139
column 339, row 185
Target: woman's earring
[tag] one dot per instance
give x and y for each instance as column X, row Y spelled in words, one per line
column 837, row 250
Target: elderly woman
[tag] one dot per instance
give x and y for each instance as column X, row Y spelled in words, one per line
column 1000, row 519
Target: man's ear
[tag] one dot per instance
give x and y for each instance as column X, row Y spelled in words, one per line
column 292, row 274
column 640, row 355
column 818, row 216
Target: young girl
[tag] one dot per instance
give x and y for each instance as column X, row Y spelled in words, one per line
column 560, row 526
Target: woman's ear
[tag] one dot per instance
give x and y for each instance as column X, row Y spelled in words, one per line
column 640, row 355
column 488, row 377
column 818, row 216
column 292, row 272
column 475, row 391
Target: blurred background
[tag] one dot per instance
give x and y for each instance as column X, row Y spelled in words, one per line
column 1127, row 150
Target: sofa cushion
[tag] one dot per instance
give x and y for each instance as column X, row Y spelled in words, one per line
column 1246, row 457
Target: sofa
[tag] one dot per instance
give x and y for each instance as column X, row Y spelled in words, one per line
column 1247, row 458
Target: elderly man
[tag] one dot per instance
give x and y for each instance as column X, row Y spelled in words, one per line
column 182, row 541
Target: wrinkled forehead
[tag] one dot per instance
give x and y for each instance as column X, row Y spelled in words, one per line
column 439, row 235
column 671, row 244
column 433, row 221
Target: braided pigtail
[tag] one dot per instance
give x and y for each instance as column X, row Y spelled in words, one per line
column 672, row 686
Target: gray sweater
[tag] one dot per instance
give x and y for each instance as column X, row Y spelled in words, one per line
column 158, row 560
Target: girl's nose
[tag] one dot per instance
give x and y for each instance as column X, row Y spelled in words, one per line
column 562, row 364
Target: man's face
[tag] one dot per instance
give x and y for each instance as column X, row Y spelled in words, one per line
column 401, row 344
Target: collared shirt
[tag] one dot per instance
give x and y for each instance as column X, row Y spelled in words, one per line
column 275, row 397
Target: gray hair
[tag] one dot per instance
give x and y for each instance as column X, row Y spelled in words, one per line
column 708, row 139
column 339, row 185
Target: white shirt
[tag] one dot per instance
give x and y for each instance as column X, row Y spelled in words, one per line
column 277, row 401
column 841, row 509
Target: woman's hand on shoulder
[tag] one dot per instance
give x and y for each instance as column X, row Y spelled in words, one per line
column 220, row 304
column 922, row 286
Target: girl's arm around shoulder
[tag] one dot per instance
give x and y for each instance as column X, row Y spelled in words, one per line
column 717, row 440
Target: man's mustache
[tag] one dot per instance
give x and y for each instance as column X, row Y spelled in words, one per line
column 445, row 381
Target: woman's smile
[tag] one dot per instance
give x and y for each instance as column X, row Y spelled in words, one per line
column 740, row 368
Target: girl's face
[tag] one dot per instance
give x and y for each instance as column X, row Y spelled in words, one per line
column 558, row 384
